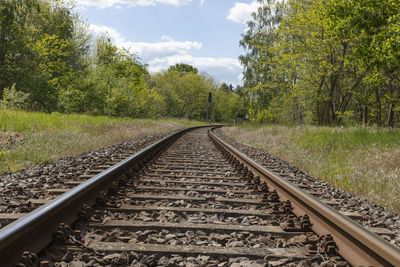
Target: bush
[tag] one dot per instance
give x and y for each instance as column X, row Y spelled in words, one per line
column 13, row 99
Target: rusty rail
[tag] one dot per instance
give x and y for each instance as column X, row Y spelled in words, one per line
column 356, row 244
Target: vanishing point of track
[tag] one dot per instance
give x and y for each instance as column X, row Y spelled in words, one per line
column 187, row 195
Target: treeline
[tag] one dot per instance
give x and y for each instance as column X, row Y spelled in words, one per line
column 325, row 62
column 50, row 62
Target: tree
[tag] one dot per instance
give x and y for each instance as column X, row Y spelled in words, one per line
column 14, row 57
column 258, row 38
column 186, row 96
column 224, row 87
column 39, row 49
column 323, row 62
column 372, row 29
column 183, row 68
column 117, row 84
column 260, row 80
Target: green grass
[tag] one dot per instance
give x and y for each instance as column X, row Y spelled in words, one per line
column 21, row 121
column 362, row 160
column 349, row 137
column 31, row 138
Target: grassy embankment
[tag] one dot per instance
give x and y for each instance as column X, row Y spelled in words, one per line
column 362, row 160
column 31, row 138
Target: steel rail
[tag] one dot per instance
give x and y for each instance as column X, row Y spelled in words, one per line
column 35, row 231
column 356, row 244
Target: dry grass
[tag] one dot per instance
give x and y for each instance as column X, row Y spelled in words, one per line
column 28, row 139
column 364, row 161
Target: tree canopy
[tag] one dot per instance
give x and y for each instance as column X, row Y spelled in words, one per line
column 183, row 68
column 50, row 62
column 323, row 62
column 326, row 62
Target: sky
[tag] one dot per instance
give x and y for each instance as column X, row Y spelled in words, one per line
column 202, row 33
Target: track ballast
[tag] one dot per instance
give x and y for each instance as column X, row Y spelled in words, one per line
column 189, row 204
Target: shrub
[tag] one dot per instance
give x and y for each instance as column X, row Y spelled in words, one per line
column 13, row 99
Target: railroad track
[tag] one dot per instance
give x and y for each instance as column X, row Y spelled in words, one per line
column 189, row 199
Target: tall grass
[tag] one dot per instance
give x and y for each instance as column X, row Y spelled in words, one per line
column 21, row 121
column 362, row 160
column 44, row 138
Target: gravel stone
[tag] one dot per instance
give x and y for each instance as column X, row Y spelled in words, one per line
column 373, row 214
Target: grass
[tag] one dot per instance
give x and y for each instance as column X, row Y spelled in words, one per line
column 31, row 138
column 361, row 160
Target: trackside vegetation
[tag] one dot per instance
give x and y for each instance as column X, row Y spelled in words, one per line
column 50, row 62
column 31, row 138
column 320, row 62
column 361, row 160
column 324, row 62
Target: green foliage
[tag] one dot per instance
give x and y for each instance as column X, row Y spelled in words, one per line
column 372, row 29
column 56, row 66
column 323, row 62
column 42, row 47
column 183, row 68
column 225, row 87
column 347, row 137
column 13, row 99
column 71, row 100
column 119, row 82
column 186, row 96
column 371, row 25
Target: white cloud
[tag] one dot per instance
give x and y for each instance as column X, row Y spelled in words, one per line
column 241, row 12
column 174, row 2
column 160, row 55
column 223, row 69
column 158, row 64
column 146, row 50
column 129, row 3
column 102, row 29
column 165, row 48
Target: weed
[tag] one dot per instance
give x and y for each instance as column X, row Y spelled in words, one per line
column 48, row 137
column 361, row 160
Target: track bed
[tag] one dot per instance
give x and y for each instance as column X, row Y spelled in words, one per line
column 188, row 202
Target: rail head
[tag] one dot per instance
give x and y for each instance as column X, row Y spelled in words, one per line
column 357, row 245
column 35, row 231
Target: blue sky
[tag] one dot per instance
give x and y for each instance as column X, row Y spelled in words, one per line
column 203, row 33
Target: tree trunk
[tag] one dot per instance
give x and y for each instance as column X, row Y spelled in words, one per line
column 365, row 115
column 378, row 107
column 332, row 91
column 390, row 119
column 297, row 116
column 324, row 113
